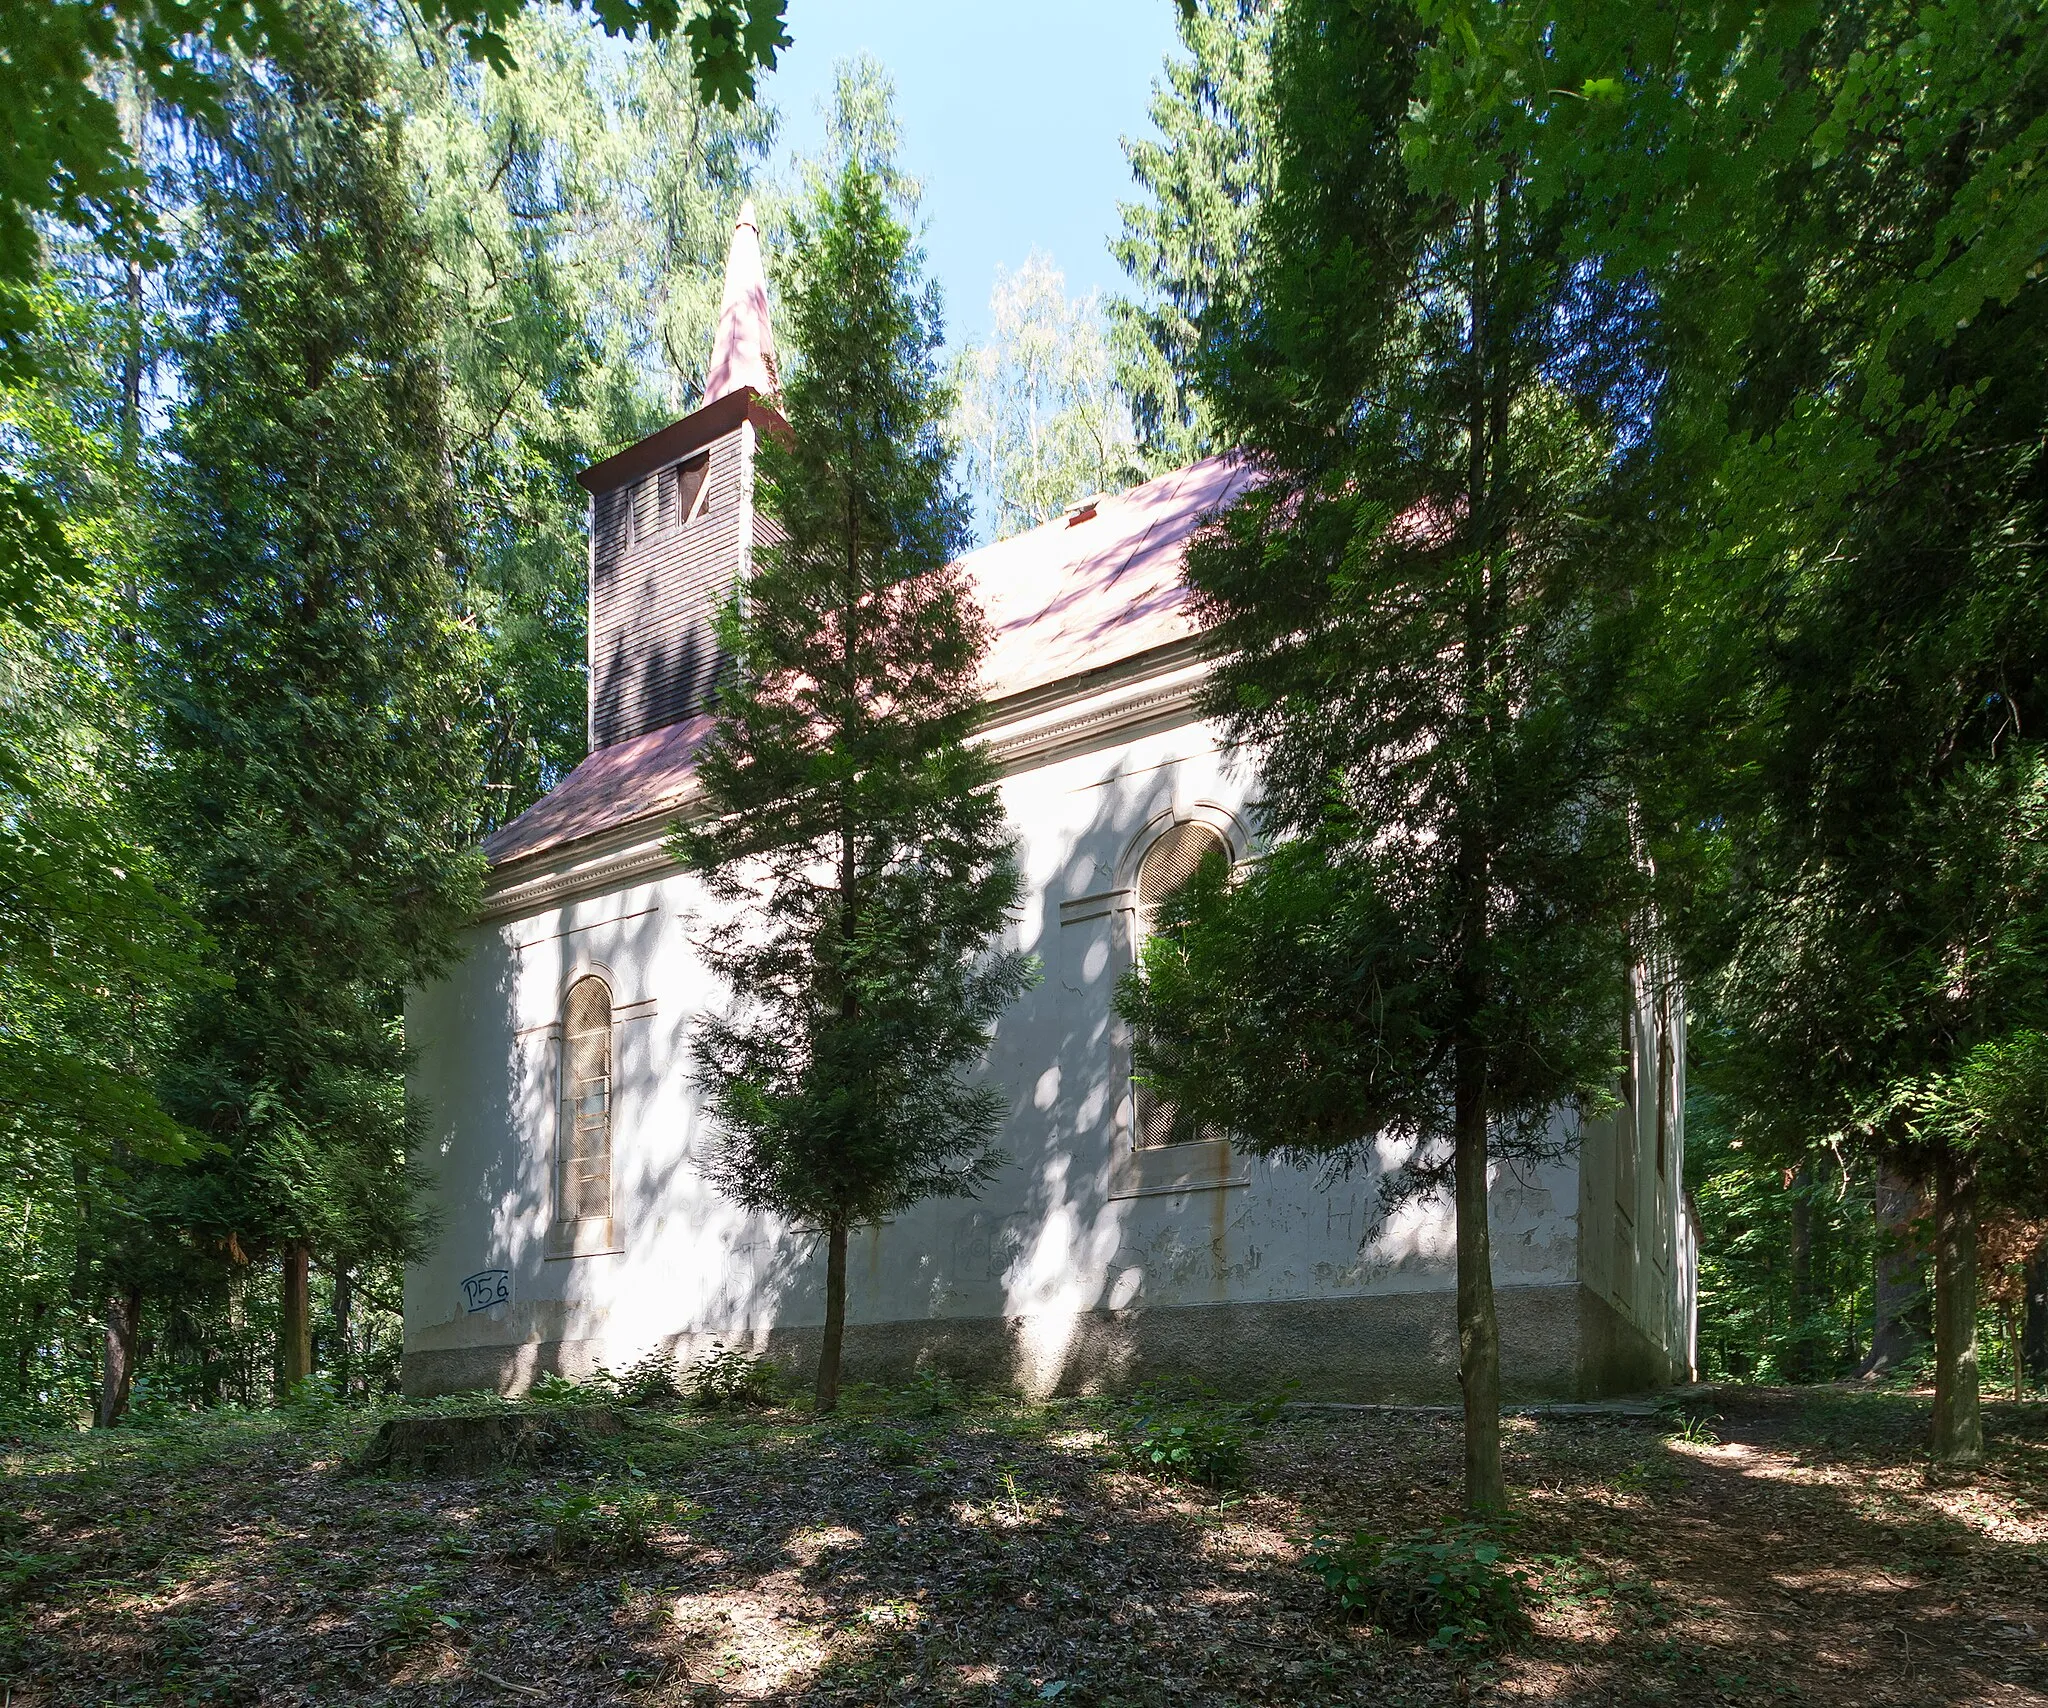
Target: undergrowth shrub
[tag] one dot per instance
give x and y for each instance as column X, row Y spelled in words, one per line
column 311, row 1399
column 548, row 1389
column 1192, row 1441
column 933, row 1393
column 895, row 1447
column 728, row 1377
column 1448, row 1584
column 617, row 1523
column 402, row 1616
column 652, row 1379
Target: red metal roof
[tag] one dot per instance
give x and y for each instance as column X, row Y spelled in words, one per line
column 1062, row 600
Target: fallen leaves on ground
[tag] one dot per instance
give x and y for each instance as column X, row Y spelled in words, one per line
column 1797, row 1550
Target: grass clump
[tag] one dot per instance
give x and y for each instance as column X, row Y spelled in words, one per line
column 895, row 1447
column 1448, row 1584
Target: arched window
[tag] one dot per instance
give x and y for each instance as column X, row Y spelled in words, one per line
column 586, row 1130
column 1168, row 864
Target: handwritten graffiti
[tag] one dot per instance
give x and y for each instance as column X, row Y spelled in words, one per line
column 487, row 1287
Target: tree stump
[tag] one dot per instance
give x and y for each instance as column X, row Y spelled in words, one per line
column 473, row 1444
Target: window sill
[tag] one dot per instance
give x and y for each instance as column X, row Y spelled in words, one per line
column 1170, row 1170
column 597, row 1237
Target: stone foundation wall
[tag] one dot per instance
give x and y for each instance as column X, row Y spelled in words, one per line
column 1556, row 1343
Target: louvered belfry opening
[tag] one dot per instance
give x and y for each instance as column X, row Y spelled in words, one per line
column 1168, row 864
column 586, row 1127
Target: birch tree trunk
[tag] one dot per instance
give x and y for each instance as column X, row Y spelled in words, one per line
column 1958, row 1421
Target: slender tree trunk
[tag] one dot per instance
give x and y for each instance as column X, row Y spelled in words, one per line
column 835, row 1320
column 295, row 1330
column 1898, row 1331
column 2009, row 1325
column 2034, row 1338
column 1478, row 1327
column 1958, row 1422
column 117, row 1376
column 25, row 1348
column 1801, row 1362
column 344, row 1301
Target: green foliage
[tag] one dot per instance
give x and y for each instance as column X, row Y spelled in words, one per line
column 652, row 1379
column 313, row 682
column 577, row 209
column 1191, row 1441
column 616, row 1523
column 1419, row 618
column 1448, row 1584
column 730, row 1377
column 1391, row 666
column 1188, row 246
column 933, row 1393
column 851, row 827
column 1040, row 420
column 1840, row 765
column 409, row 1613
column 1762, row 1316
column 895, row 1447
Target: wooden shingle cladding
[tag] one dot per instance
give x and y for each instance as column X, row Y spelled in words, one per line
column 667, row 549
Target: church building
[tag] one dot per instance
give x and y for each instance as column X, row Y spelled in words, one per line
column 577, row 1227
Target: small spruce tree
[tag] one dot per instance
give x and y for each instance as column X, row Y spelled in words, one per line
column 858, row 835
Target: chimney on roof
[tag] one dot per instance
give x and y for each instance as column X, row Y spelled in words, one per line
column 743, row 352
column 673, row 525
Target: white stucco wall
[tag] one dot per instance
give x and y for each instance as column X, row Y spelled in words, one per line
column 1076, row 1222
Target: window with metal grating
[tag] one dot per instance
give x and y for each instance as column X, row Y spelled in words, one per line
column 586, row 1130
column 1168, row 864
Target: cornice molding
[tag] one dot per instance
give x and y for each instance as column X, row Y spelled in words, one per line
column 1158, row 691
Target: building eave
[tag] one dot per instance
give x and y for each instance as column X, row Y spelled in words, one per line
column 1155, row 690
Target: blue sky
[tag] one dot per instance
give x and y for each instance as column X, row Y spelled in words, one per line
column 1011, row 114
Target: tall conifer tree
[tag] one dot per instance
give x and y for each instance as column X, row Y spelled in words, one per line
column 1411, row 618
column 1187, row 246
column 857, row 834
column 1841, row 211
column 314, row 689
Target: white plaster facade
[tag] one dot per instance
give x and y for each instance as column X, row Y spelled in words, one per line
column 1088, row 1262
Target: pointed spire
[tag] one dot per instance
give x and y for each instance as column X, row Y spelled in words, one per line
column 743, row 353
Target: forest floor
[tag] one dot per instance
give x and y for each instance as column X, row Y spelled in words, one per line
column 1785, row 1547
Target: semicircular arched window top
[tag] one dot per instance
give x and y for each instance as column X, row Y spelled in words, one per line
column 586, row 1130
column 1173, row 858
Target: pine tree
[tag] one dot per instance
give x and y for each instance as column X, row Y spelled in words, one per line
column 857, row 834
column 1187, row 247
column 314, row 691
column 1413, row 617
